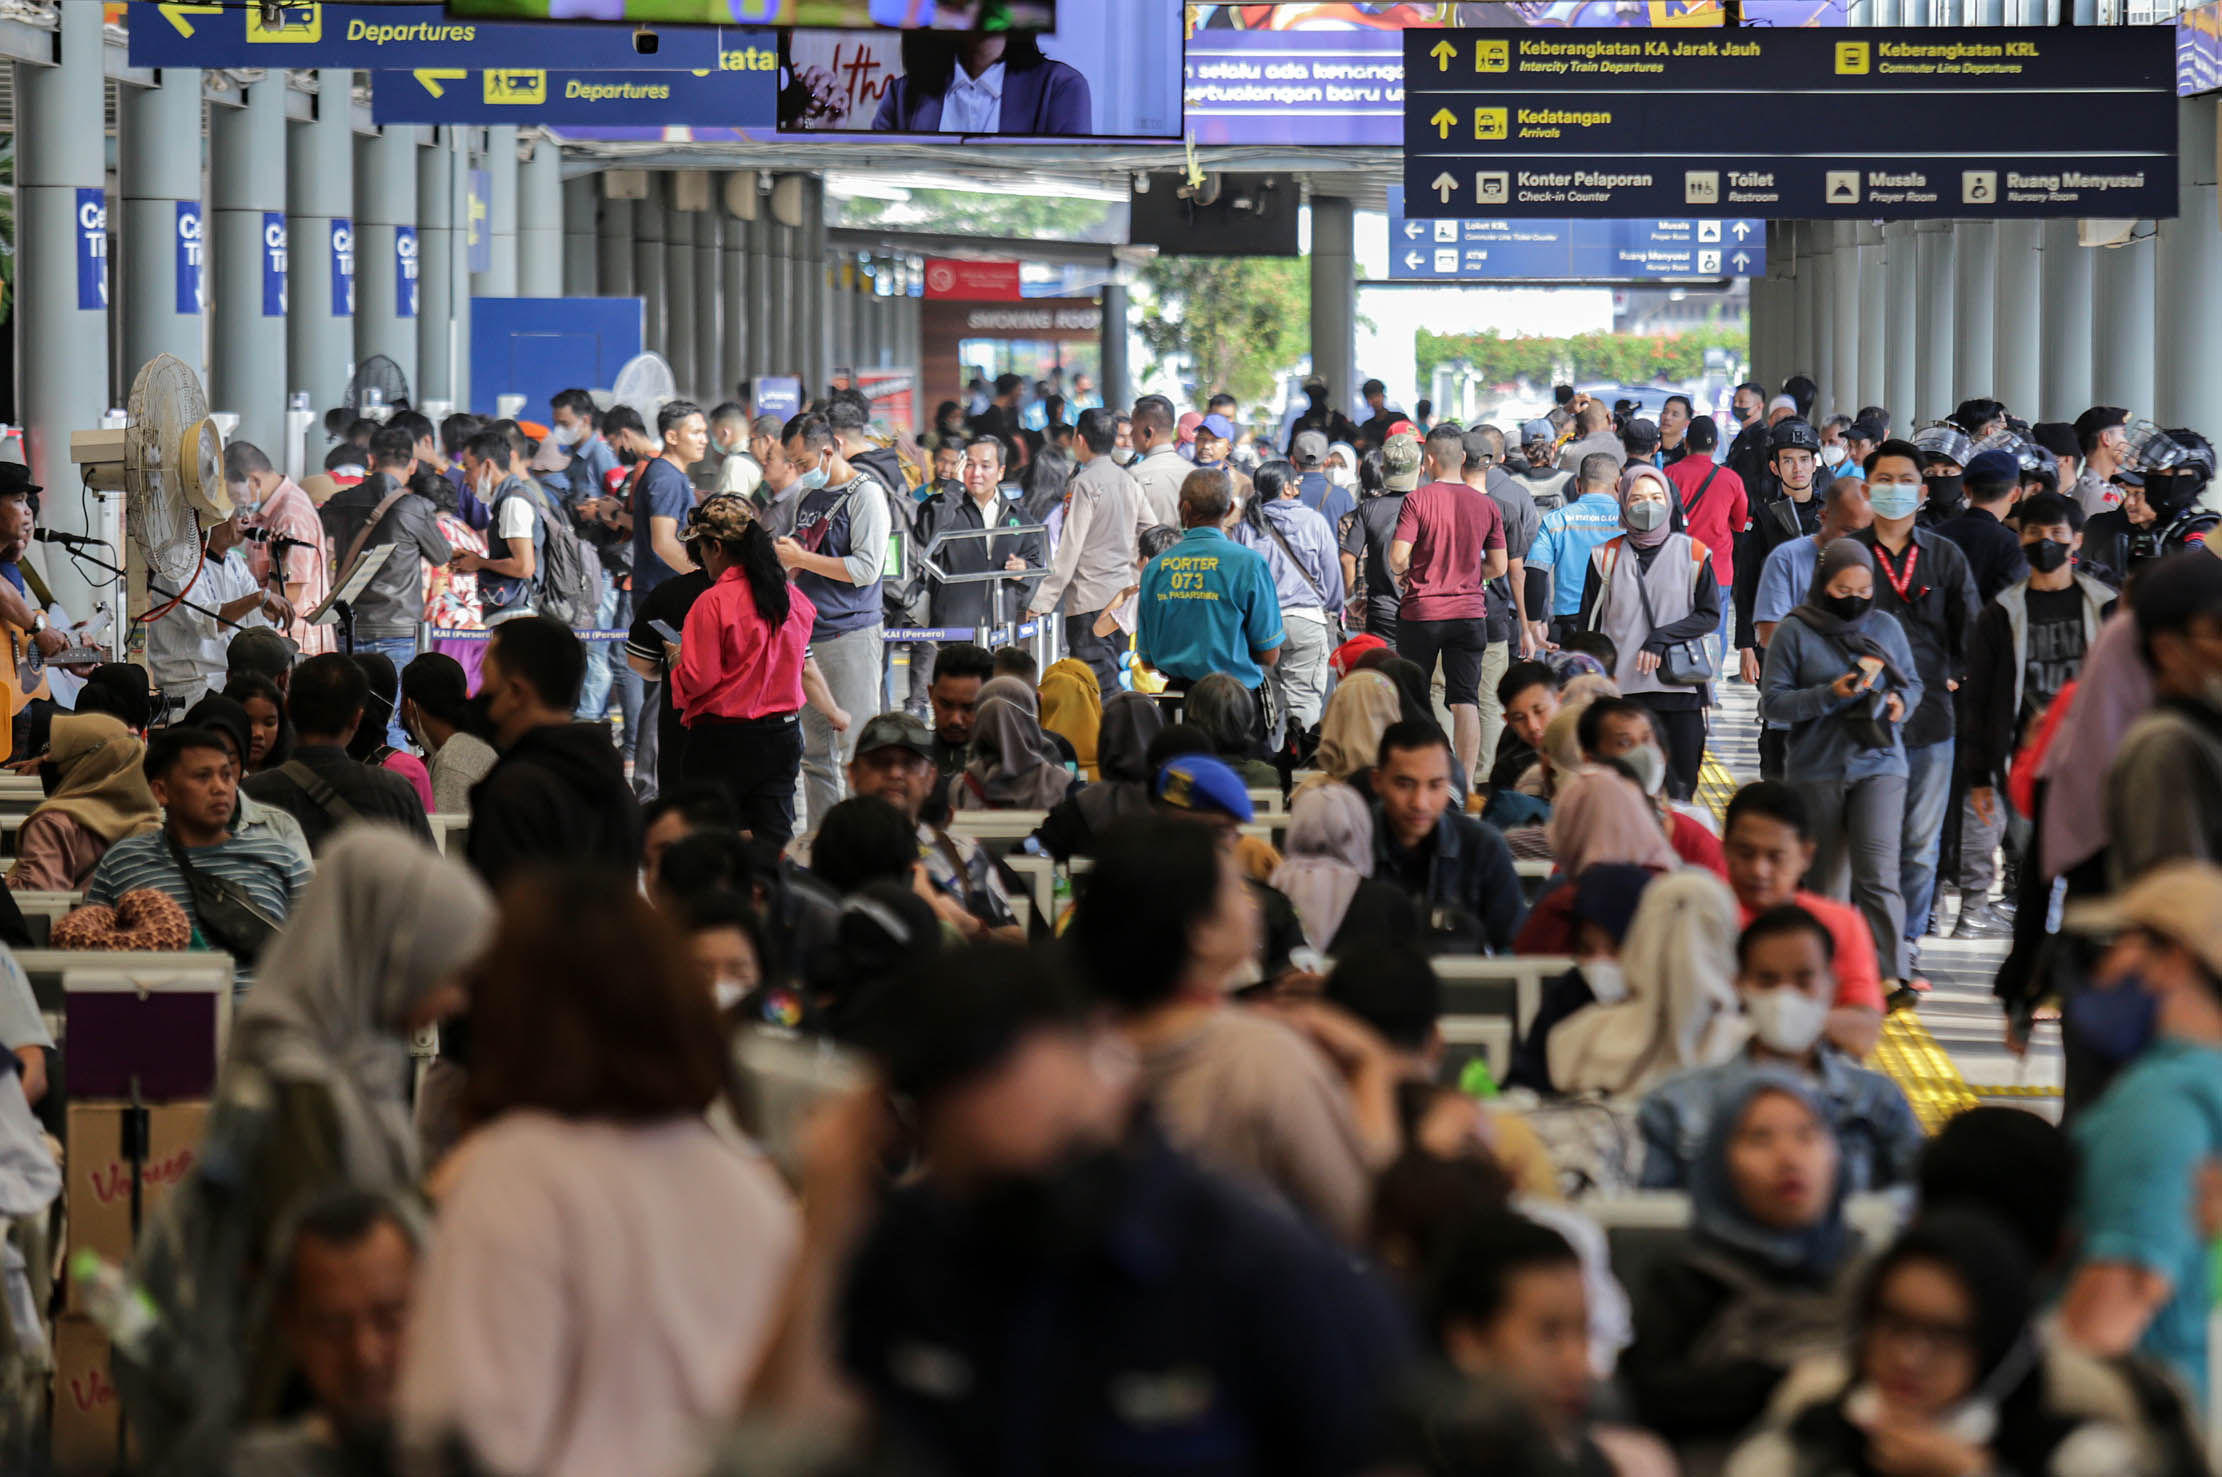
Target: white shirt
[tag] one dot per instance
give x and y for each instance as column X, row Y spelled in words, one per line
column 974, row 104
column 185, row 649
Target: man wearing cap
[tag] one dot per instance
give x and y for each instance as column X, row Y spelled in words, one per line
column 2143, row 1282
column 1861, row 438
column 971, row 890
column 1640, row 439
column 1206, row 789
column 1095, row 553
column 2102, row 441
column 1158, row 467
column 2066, row 448
column 1789, row 512
column 1313, row 489
column 1321, row 416
column 1544, row 480
column 1449, row 543
column 1365, row 550
column 1594, row 436
column 1994, row 557
column 1214, row 444
column 1207, row 604
column 1376, row 429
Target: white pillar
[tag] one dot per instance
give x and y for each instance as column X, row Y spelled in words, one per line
column 2187, row 391
column 2066, row 325
column 2017, row 350
column 2122, row 326
column 1901, row 329
column 1975, row 263
column 1933, row 332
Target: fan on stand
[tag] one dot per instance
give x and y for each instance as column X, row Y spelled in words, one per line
column 647, row 385
column 377, row 389
column 173, row 483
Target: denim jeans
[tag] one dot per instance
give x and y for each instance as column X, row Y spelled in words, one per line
column 851, row 664
column 1299, row 678
column 1856, row 855
column 400, row 650
column 1928, row 788
column 604, row 659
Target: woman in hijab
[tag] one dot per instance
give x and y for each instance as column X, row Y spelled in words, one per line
column 1762, row 1281
column 1072, row 705
column 1600, row 816
column 1130, row 722
column 1841, row 674
column 1360, row 710
column 1013, row 765
column 1947, row 1372
column 1651, row 590
column 1222, row 707
column 1329, row 863
column 380, row 716
column 96, row 795
column 228, row 720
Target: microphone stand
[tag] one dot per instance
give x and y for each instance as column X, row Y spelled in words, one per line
column 78, row 552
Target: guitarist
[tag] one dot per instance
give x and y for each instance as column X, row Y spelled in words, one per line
column 24, row 599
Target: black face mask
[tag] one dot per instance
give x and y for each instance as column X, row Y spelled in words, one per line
column 1945, row 492
column 1847, row 607
column 2168, row 495
column 478, row 721
column 626, row 456
column 2046, row 555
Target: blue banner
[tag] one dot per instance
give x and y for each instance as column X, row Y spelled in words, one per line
column 744, row 97
column 405, row 271
column 297, row 33
column 1682, row 249
column 92, row 249
column 343, row 268
column 478, row 245
column 273, row 264
column 192, row 258
column 778, row 394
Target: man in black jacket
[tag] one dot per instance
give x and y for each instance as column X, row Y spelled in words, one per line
column 323, row 786
column 558, row 792
column 1993, row 550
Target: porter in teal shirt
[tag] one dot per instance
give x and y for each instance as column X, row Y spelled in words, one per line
column 1206, row 604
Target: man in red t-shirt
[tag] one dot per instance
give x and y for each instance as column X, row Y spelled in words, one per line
column 1769, row 849
column 1449, row 542
column 1717, row 507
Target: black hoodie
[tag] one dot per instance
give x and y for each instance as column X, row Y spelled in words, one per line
column 556, row 795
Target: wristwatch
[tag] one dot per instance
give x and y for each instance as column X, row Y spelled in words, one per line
column 38, row 622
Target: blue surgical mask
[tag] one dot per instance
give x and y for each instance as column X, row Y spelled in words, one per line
column 811, row 480
column 1893, row 499
column 2114, row 1021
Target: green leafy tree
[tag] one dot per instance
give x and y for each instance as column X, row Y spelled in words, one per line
column 965, row 213
column 1239, row 321
column 1625, row 358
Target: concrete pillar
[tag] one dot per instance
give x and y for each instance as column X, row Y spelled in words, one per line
column 737, row 200
column 1819, row 358
column 247, row 193
column 540, row 222
column 2066, row 325
column 460, row 288
column 1873, row 287
column 1840, row 376
column 2017, row 353
column 776, row 354
column 320, row 231
column 709, row 307
column 648, row 265
column 582, row 243
column 1901, row 324
column 1816, row 244
column 437, row 249
column 386, row 302
column 841, row 309
column 61, row 316
column 679, row 303
column 1335, row 298
column 165, row 224
column 1933, row 332
column 2187, row 391
column 2122, row 308
column 810, row 247
column 500, row 277
column 761, row 258
column 616, row 233
column 1116, row 387
column 1975, row 305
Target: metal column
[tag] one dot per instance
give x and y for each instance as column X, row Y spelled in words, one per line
column 1873, row 287
column 388, row 284
column 1334, row 299
column 61, row 308
column 777, row 352
column 2122, row 351
column 679, row 304
column 709, row 307
column 616, row 255
column 760, row 257
column 2187, row 391
column 437, row 249
column 1840, row 376
column 460, row 288
column 648, row 265
column 1975, row 305
column 540, row 269
column 1117, row 391
column 582, row 253
column 738, row 201
column 165, row 225
column 1933, row 379
column 842, row 310
column 1900, row 329
column 247, row 190
column 2016, row 350
column 1816, row 246
column 500, row 277
column 320, row 234
column 810, row 249
column 2066, row 325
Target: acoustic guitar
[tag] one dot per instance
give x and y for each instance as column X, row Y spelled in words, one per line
column 23, row 667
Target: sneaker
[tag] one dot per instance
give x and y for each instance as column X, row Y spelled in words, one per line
column 1982, row 921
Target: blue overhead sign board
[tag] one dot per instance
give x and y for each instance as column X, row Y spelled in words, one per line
column 745, row 98
column 1677, row 249
column 1797, row 124
column 297, row 33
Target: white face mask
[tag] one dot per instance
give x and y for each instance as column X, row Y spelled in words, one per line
column 1833, row 454
column 1341, row 476
column 1123, row 455
column 1648, row 763
column 570, row 435
column 1786, row 1020
column 728, row 992
column 1605, row 980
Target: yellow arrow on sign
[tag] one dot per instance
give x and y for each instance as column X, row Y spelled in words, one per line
column 1442, row 51
column 176, row 16
column 432, row 77
column 1443, row 120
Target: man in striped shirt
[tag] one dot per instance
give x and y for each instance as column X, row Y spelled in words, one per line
column 191, row 773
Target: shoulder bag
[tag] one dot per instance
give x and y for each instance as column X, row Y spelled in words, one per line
column 1686, row 663
column 336, row 810
column 229, row 918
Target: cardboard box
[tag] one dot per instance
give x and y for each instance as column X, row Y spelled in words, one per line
column 88, row 1418
column 97, row 1173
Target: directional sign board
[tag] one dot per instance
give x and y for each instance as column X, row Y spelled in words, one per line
column 735, row 99
column 305, row 33
column 1804, row 125
column 1682, row 249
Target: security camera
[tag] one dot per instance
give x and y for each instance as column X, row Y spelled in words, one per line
column 646, row 42
column 1141, row 184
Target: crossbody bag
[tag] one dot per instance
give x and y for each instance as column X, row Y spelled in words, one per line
column 228, row 916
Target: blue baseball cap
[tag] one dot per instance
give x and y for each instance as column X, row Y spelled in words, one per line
column 1994, row 468
column 1204, row 785
column 1219, row 426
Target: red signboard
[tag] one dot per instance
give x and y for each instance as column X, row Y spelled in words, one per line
column 975, row 282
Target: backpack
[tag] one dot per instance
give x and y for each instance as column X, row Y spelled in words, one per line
column 568, row 584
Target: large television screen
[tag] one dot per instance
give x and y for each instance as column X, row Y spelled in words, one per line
column 951, row 15
column 1105, row 72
